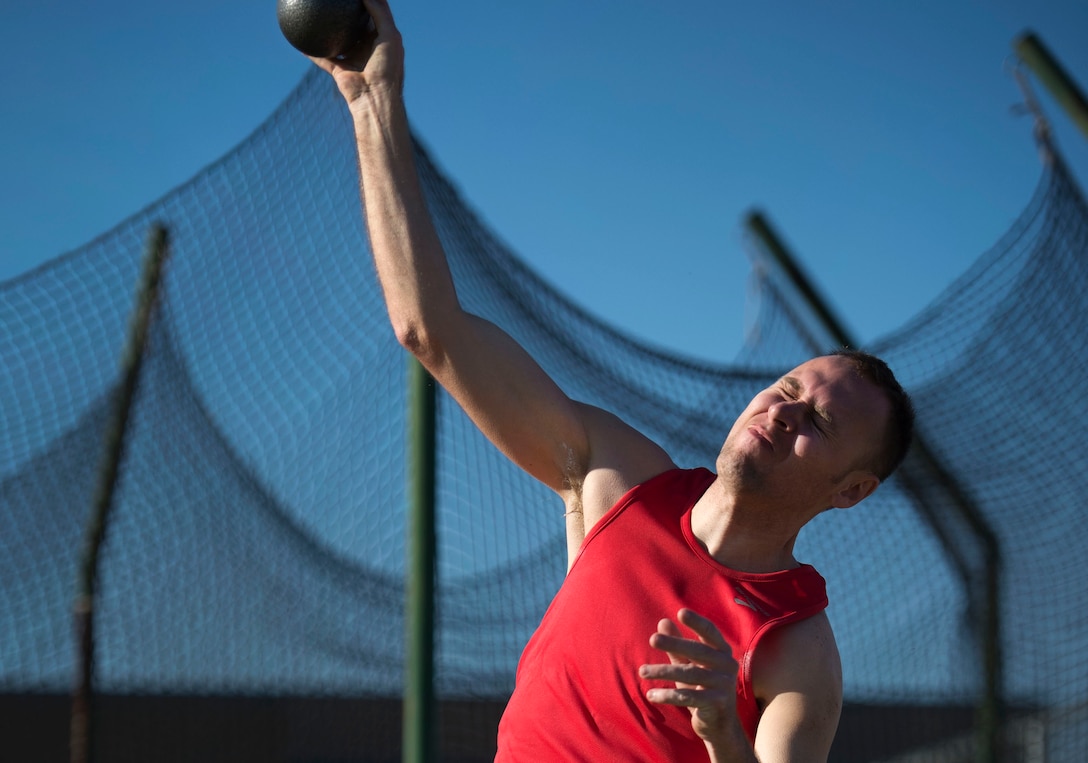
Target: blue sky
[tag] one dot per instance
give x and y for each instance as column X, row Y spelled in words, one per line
column 616, row 146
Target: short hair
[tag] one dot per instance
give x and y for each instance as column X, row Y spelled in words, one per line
column 899, row 431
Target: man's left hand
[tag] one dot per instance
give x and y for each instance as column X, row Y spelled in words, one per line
column 704, row 677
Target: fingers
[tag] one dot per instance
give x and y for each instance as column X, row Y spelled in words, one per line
column 702, row 672
column 694, row 686
column 380, row 25
column 695, row 698
column 701, row 668
column 711, row 645
column 686, row 660
column 689, row 675
column 327, row 64
column 707, row 631
column 668, row 628
column 380, row 13
column 375, row 64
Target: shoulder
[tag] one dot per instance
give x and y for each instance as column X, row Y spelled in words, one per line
column 797, row 679
column 619, row 458
column 808, row 645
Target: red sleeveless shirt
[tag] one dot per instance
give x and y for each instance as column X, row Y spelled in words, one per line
column 578, row 695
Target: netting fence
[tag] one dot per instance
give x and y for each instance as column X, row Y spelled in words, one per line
column 252, row 586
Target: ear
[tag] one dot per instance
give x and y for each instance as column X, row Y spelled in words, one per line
column 854, row 488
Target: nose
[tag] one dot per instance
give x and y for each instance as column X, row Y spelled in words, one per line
column 784, row 414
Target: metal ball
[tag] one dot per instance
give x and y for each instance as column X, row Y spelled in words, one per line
column 322, row 28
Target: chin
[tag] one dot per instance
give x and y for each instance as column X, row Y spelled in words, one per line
column 739, row 472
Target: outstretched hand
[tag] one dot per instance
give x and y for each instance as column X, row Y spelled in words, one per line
column 704, row 677
column 376, row 64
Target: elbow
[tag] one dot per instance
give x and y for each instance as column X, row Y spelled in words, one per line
column 417, row 339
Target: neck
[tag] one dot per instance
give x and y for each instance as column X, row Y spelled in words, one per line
column 743, row 534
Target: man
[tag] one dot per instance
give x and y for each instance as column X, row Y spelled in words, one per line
column 631, row 661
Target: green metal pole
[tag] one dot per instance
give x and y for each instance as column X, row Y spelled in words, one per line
column 81, row 748
column 990, row 710
column 1051, row 73
column 419, row 704
column 759, row 226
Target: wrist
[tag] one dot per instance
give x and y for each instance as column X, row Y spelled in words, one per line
column 376, row 101
column 730, row 745
column 380, row 121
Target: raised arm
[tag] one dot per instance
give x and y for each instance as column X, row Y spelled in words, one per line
column 506, row 394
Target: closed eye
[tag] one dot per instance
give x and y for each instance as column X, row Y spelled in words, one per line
column 823, row 420
column 791, row 388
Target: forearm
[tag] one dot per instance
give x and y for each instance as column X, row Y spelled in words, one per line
column 525, row 415
column 408, row 255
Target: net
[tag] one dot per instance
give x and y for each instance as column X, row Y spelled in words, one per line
column 251, row 592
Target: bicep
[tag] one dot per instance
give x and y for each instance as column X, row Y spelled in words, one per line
column 587, row 455
column 797, row 727
column 799, row 681
column 513, row 402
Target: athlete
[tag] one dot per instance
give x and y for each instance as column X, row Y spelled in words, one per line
column 685, row 629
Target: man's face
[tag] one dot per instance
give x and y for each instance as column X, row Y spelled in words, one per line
column 807, row 433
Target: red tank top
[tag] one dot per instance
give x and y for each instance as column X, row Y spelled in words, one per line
column 578, row 696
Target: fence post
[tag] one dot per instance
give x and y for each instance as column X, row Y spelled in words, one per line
column 81, row 732
column 1032, row 52
column 418, row 725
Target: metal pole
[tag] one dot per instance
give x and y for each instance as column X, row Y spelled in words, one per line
column 771, row 244
column 1051, row 73
column 81, row 729
column 419, row 706
column 990, row 710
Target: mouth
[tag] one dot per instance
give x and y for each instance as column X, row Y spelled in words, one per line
column 760, row 435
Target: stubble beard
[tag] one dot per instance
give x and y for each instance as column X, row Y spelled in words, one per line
column 739, row 472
